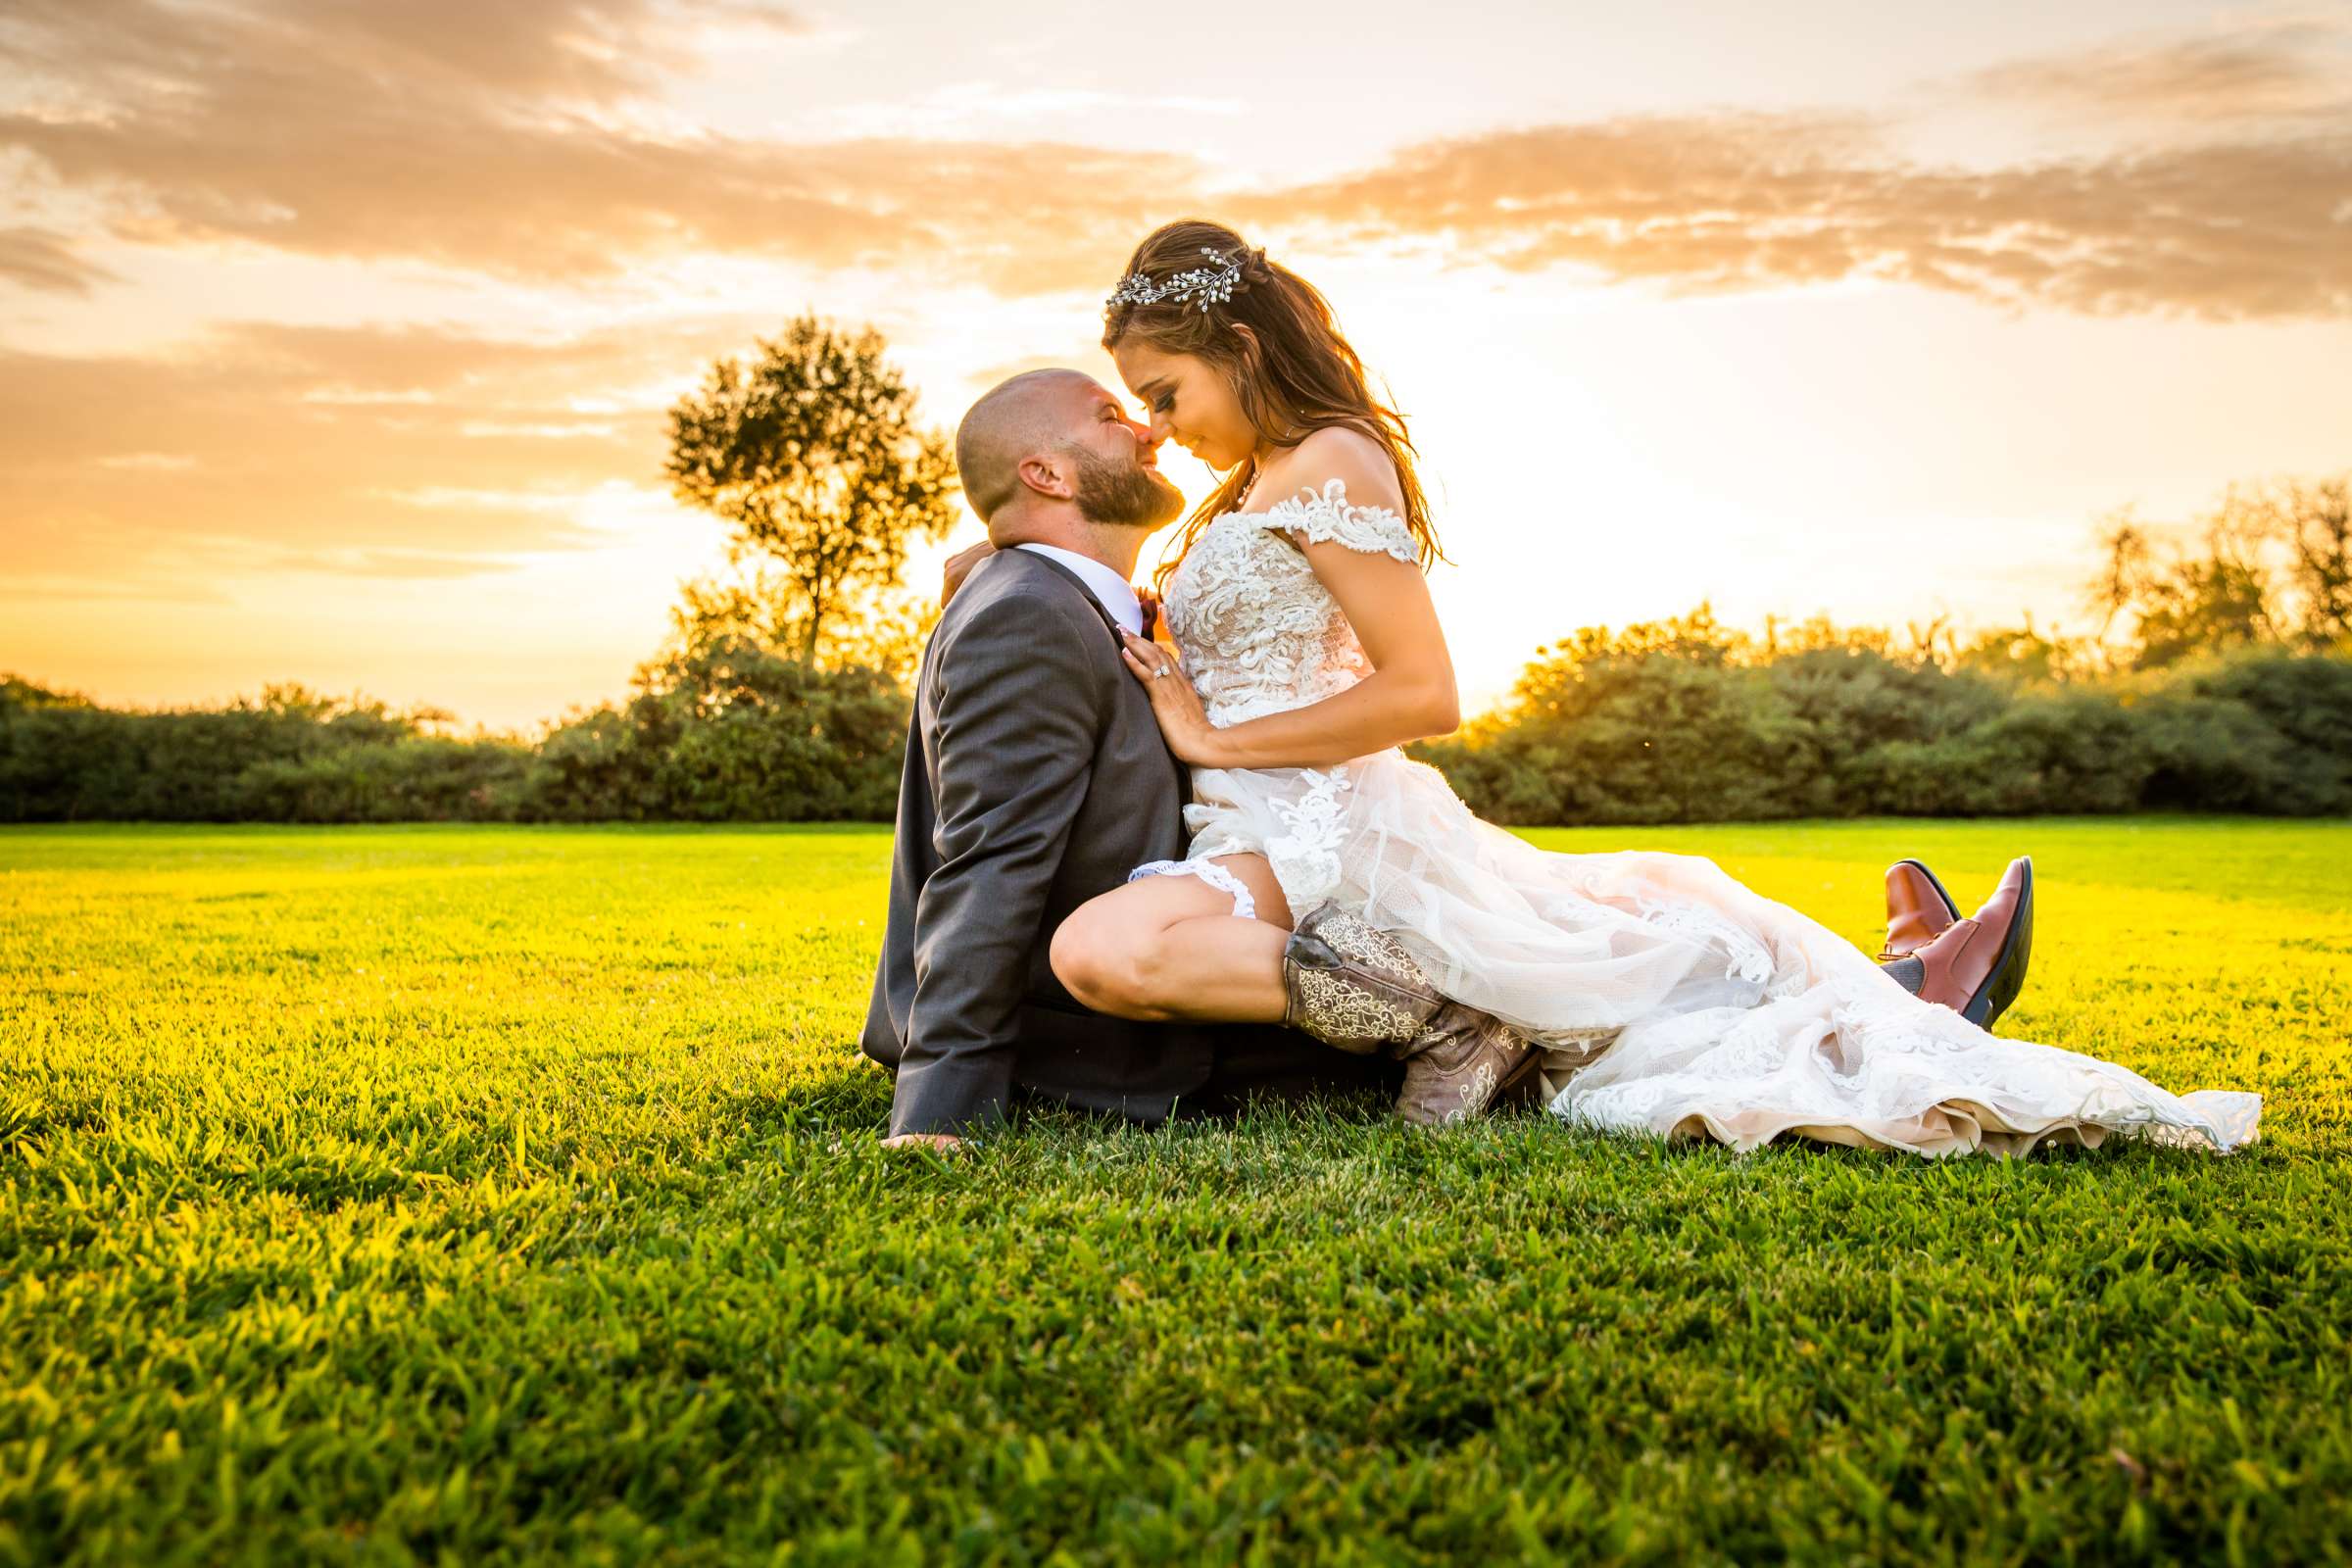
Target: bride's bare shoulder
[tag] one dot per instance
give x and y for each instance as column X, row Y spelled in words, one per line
column 1343, row 452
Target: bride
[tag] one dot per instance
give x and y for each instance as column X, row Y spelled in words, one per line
column 1637, row 991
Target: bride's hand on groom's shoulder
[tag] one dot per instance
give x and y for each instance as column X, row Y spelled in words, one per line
column 1174, row 702
column 960, row 566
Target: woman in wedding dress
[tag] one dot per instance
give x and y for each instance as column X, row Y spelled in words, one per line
column 1656, row 993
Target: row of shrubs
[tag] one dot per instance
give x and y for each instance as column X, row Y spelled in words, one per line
column 1684, row 730
column 1685, row 735
column 730, row 732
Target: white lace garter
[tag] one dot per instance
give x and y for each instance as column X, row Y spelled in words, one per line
column 1244, row 908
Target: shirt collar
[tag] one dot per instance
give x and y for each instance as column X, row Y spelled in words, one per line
column 1116, row 593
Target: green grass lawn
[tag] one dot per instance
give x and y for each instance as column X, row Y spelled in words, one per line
column 480, row 1194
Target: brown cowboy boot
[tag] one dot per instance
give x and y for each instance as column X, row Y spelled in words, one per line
column 1351, row 986
column 1354, row 988
column 1464, row 1062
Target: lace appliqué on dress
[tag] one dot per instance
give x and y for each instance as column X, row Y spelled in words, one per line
column 1747, row 958
column 1306, row 859
column 1259, row 632
column 1327, row 517
column 1244, row 908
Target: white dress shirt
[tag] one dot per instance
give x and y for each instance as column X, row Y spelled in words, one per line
column 1116, row 593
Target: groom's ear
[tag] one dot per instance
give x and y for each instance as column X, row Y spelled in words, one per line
column 1049, row 475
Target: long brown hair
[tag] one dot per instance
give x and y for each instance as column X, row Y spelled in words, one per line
column 1300, row 375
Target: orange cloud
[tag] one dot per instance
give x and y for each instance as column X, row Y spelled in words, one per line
column 496, row 138
column 2253, row 228
column 40, row 258
column 500, row 140
column 274, row 448
column 2294, row 71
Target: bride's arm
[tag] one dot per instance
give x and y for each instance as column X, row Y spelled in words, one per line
column 1411, row 694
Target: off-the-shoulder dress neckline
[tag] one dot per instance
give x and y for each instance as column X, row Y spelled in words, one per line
column 1294, row 498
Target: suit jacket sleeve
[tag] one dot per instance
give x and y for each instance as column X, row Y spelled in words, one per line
column 1019, row 699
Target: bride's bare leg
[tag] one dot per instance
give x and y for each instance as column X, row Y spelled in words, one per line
column 1168, row 947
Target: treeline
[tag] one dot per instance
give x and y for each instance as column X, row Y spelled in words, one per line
column 2220, row 680
column 725, row 732
column 1678, row 721
column 2229, row 688
column 1686, row 722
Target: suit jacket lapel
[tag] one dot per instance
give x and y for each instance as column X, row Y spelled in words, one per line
column 1183, row 773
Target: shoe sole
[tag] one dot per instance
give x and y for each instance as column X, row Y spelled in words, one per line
column 2008, row 976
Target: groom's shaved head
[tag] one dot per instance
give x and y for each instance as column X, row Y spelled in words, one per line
column 1029, row 414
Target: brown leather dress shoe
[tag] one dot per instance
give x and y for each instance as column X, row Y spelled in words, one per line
column 1977, row 965
column 1918, row 910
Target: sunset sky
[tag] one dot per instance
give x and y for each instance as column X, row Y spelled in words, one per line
column 335, row 338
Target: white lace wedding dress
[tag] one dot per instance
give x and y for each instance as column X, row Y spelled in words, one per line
column 1670, row 999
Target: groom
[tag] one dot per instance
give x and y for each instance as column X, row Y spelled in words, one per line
column 1036, row 777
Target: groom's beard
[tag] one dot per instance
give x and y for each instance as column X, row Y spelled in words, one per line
column 1124, row 495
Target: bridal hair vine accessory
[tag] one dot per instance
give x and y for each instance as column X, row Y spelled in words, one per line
column 1198, row 286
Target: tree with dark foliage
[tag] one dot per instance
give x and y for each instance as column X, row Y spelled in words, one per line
column 810, row 452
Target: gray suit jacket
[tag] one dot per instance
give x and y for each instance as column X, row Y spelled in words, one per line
column 1035, row 779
